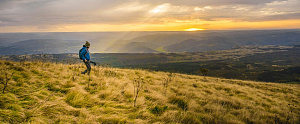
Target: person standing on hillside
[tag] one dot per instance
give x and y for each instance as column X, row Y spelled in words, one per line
column 84, row 54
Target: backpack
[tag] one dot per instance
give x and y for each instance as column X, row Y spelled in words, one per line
column 80, row 53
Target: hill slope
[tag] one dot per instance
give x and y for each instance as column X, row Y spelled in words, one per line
column 133, row 47
column 57, row 93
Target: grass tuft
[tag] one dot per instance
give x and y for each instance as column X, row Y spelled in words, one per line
column 111, row 121
column 158, row 110
column 181, row 103
column 79, row 100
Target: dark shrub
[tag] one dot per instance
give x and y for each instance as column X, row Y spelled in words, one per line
column 157, row 110
column 179, row 102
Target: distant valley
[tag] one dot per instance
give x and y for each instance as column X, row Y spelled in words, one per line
column 260, row 63
column 142, row 42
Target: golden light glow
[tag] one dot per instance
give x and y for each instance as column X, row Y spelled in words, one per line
column 194, row 29
column 156, row 10
column 160, row 8
column 171, row 26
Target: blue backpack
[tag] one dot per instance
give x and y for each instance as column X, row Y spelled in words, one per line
column 80, row 53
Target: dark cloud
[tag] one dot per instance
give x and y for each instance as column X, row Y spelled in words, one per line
column 65, row 12
column 277, row 17
column 4, row 4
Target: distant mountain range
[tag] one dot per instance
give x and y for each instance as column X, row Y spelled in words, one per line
column 142, row 42
column 37, row 46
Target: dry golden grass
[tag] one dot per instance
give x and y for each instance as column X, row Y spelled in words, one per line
column 57, row 93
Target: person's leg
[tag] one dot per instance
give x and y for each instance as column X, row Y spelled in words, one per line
column 88, row 67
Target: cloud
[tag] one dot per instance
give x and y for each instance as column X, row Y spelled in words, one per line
column 212, row 2
column 235, row 10
column 246, row 11
column 44, row 13
column 41, row 12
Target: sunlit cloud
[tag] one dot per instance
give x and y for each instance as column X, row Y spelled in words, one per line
column 160, row 8
column 129, row 7
column 203, row 9
column 127, row 15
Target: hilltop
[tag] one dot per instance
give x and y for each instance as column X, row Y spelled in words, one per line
column 57, row 93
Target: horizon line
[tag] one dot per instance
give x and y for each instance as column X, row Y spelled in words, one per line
column 156, row 31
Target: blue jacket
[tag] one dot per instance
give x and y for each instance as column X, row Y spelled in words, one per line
column 85, row 54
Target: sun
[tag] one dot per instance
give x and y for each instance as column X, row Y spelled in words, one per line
column 194, row 29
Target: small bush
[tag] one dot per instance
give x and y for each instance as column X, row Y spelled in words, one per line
column 157, row 110
column 179, row 102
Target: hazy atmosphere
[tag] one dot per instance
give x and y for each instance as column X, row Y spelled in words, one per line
column 146, row 15
column 149, row 61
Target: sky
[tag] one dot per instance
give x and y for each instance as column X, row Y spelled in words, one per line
column 147, row 15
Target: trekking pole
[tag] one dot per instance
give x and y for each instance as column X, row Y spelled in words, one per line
column 93, row 63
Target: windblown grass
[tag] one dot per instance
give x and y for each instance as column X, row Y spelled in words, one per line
column 57, row 93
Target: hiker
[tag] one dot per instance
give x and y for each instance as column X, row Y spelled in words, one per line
column 84, row 54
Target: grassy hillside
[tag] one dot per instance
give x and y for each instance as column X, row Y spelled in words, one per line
column 56, row 93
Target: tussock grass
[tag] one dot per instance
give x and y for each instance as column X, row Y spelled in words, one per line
column 79, row 100
column 58, row 93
